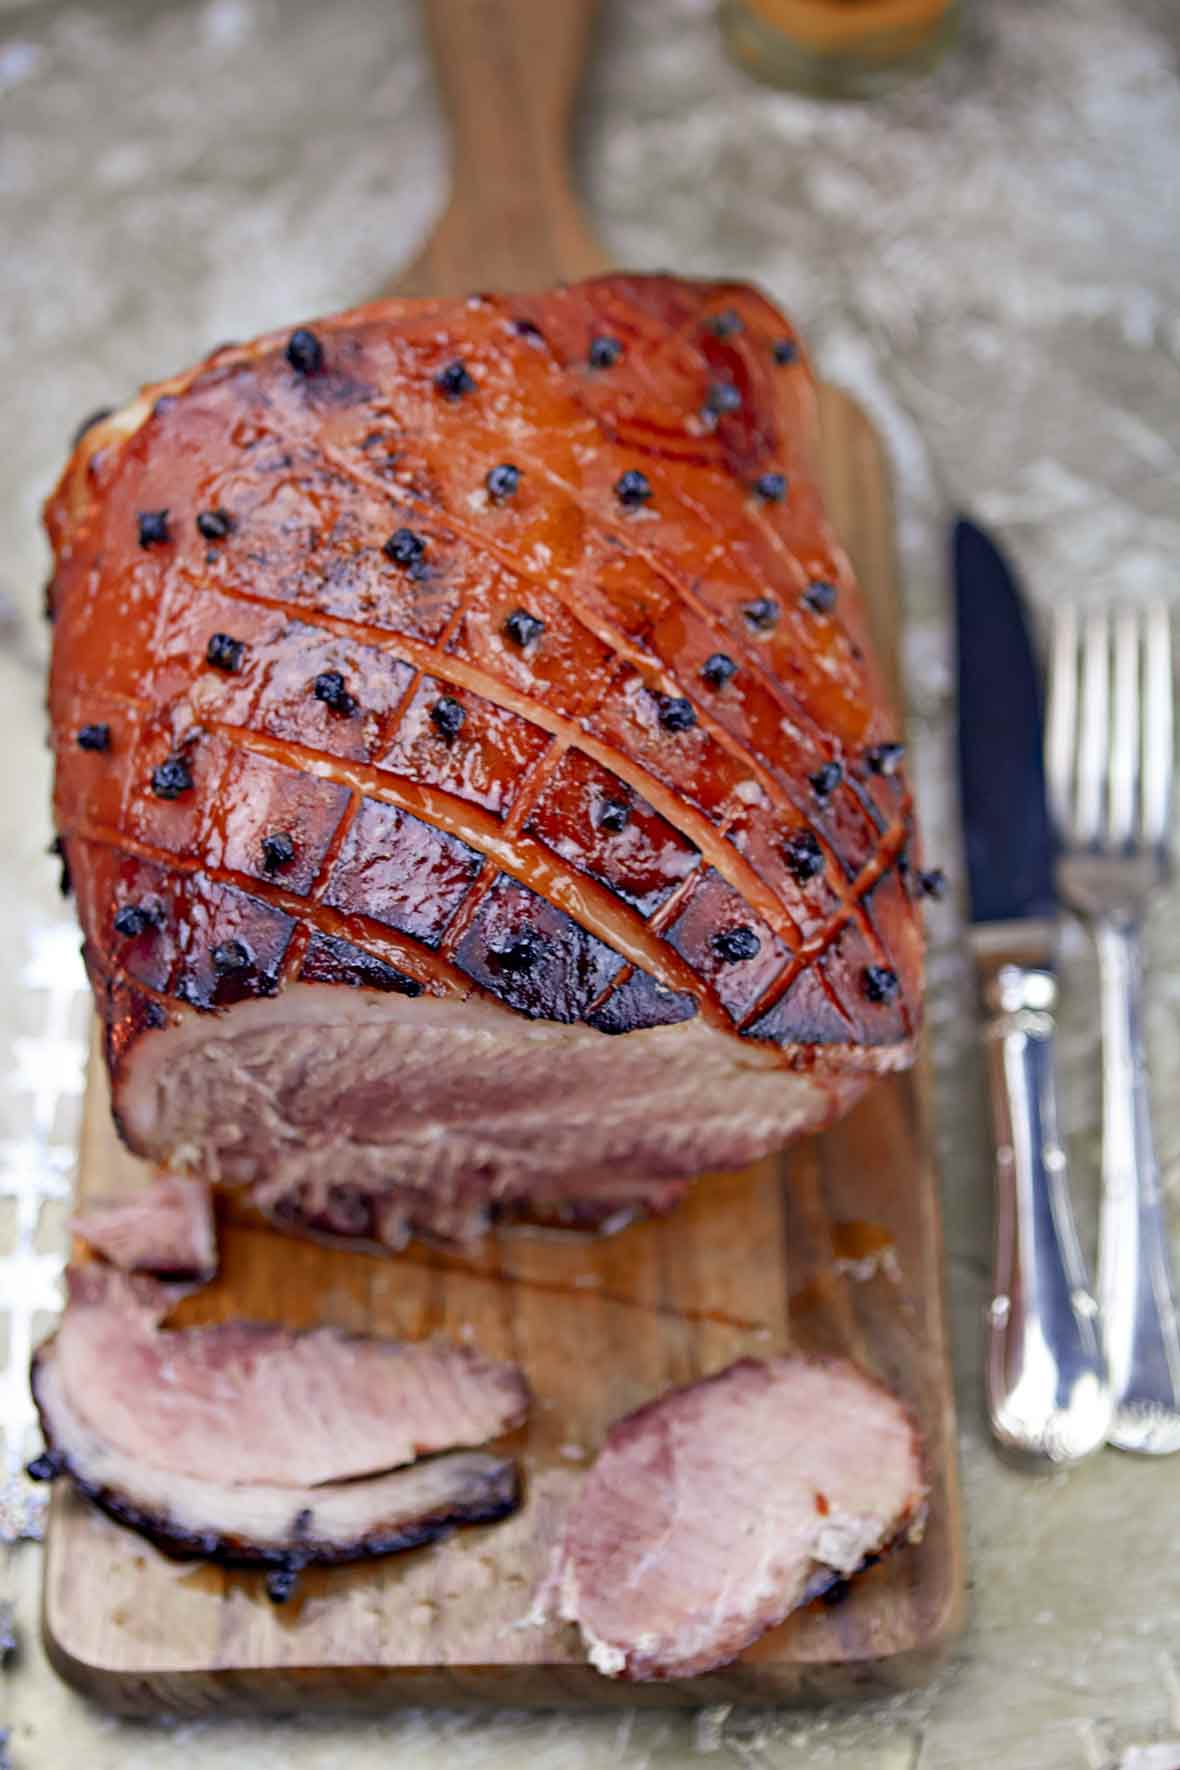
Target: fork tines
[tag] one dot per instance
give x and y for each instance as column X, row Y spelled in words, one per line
column 1109, row 728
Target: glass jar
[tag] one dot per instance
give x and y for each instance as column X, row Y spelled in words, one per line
column 838, row 48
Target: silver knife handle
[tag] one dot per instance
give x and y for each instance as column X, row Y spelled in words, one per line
column 1047, row 1390
column 1134, row 1267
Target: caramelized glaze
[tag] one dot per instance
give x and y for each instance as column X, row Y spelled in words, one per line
column 595, row 786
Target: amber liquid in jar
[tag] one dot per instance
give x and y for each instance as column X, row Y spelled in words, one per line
column 838, row 48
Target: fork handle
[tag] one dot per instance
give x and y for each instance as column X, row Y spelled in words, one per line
column 1134, row 1270
column 1047, row 1391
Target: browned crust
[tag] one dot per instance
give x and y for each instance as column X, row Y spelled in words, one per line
column 727, row 792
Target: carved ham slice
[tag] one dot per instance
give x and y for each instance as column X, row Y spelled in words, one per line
column 285, row 1526
column 713, row 1512
column 166, row 1228
column 477, row 785
column 241, row 1402
column 247, row 1443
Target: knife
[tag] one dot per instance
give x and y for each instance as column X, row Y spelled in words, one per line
column 1047, row 1390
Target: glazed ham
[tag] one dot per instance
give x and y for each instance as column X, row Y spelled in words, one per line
column 246, row 1403
column 166, row 1228
column 472, row 768
column 715, row 1511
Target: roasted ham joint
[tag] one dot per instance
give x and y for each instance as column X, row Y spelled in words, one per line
column 482, row 802
column 472, row 767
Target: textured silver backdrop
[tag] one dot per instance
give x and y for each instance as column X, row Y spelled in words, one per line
column 990, row 261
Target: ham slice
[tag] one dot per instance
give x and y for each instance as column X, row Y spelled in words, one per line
column 715, row 1511
column 250, row 1444
column 166, row 1228
column 241, row 1402
column 478, row 788
column 283, row 1526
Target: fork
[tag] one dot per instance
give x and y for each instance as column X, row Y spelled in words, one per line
column 1110, row 764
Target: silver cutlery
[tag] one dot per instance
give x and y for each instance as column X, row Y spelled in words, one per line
column 1047, row 1389
column 1110, row 750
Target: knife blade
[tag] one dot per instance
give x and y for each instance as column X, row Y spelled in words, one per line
column 1047, row 1389
column 1009, row 836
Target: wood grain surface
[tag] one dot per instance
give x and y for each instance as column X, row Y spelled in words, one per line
column 834, row 1246
column 508, row 73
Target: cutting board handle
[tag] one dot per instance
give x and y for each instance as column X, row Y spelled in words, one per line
column 508, row 71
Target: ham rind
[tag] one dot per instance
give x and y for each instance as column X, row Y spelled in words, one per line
column 714, row 1511
column 166, row 1228
column 286, row 1527
column 478, row 788
column 241, row 1402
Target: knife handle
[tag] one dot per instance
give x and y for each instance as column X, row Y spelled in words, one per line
column 1047, row 1389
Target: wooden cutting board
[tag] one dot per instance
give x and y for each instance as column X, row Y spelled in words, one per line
column 835, row 1246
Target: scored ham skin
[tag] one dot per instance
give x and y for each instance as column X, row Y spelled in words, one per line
column 166, row 1228
column 243, row 1402
column 286, row 1526
column 307, row 727
column 713, row 1512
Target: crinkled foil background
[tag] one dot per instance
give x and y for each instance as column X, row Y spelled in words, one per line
column 991, row 262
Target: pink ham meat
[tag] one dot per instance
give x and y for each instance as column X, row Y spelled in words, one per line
column 280, row 1526
column 166, row 1229
column 716, row 1510
column 242, row 1402
column 248, row 1443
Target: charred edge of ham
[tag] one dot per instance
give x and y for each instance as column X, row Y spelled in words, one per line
column 828, row 1586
